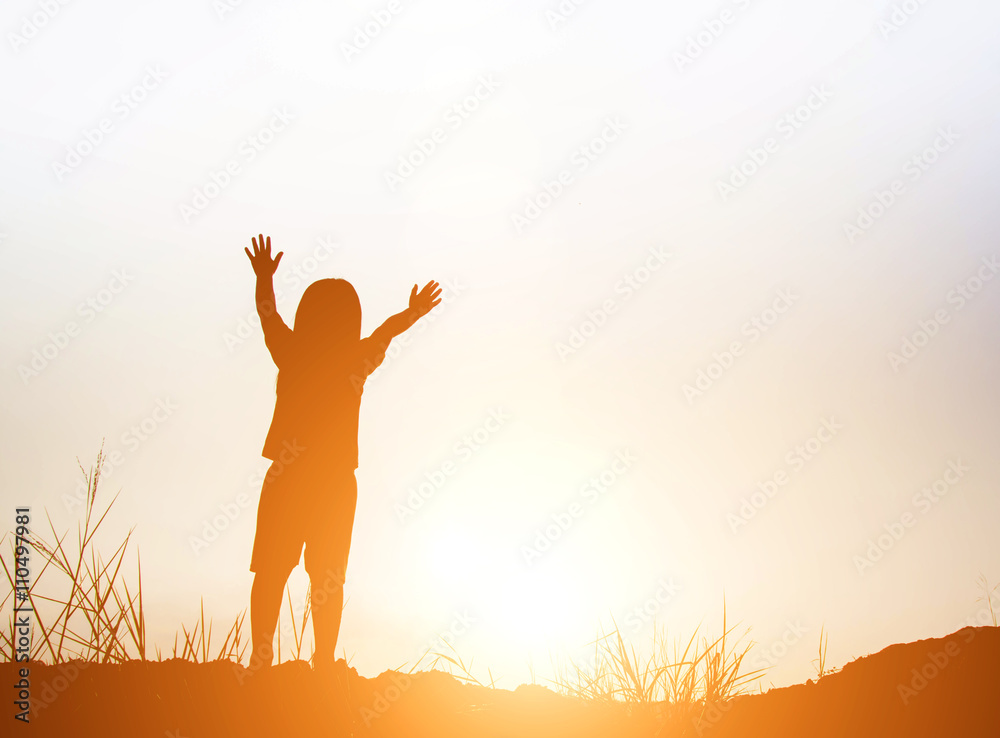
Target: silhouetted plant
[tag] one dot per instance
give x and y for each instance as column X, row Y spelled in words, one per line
column 820, row 662
column 676, row 685
column 96, row 614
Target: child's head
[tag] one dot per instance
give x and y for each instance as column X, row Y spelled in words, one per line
column 329, row 313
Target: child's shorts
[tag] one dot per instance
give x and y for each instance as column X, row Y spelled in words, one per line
column 310, row 504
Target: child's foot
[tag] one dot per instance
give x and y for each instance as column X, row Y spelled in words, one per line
column 336, row 681
column 337, row 670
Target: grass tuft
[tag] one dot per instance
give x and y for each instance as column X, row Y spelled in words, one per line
column 99, row 617
column 680, row 682
column 91, row 608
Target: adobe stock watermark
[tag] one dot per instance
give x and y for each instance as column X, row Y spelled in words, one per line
column 710, row 32
column 454, row 117
column 319, row 592
column 580, row 161
column 923, row 501
column 899, row 17
column 53, row 687
column 31, row 25
column 713, row 712
column 921, row 677
column 625, row 287
column 560, row 14
column 223, row 8
column 132, row 438
column 787, row 126
column 462, row 452
column 584, row 662
column 59, row 340
column 641, row 615
column 294, row 276
column 958, row 297
column 915, row 168
column 590, row 493
column 795, row 461
column 365, row 33
column 753, row 330
column 778, row 649
column 450, row 289
column 937, row 661
column 123, row 106
column 247, row 150
column 384, row 699
column 212, row 528
column 444, row 640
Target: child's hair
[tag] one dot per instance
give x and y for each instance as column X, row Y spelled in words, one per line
column 329, row 313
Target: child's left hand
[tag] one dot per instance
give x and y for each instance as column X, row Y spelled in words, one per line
column 261, row 261
column 429, row 297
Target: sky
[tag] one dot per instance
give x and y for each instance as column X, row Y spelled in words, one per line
column 719, row 329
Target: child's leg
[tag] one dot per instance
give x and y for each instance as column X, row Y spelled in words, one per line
column 265, row 604
column 327, row 602
column 277, row 547
column 327, row 549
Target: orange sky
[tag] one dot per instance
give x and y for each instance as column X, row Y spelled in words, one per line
column 720, row 312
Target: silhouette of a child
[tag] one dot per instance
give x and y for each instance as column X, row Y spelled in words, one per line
column 310, row 492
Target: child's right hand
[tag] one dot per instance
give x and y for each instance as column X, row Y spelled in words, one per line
column 261, row 261
column 422, row 302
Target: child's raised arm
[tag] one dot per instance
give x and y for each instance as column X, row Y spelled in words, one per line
column 264, row 267
column 276, row 332
column 421, row 303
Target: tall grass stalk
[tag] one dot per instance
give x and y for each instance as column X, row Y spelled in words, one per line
column 91, row 608
column 100, row 618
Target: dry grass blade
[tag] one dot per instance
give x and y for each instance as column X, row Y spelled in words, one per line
column 820, row 661
column 298, row 630
column 989, row 596
column 197, row 644
column 135, row 620
column 231, row 647
column 465, row 672
column 206, row 636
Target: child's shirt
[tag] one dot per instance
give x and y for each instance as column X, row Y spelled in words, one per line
column 318, row 399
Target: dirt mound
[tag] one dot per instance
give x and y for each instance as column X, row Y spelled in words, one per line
column 176, row 699
column 939, row 687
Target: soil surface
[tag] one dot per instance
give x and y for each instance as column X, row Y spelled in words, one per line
column 944, row 687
